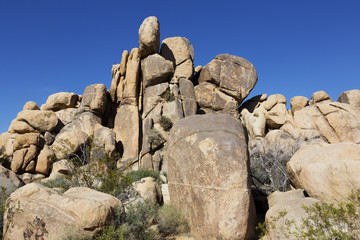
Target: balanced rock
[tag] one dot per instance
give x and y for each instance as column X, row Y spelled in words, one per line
column 38, row 212
column 233, row 75
column 31, row 106
column 149, row 36
column 20, row 127
column 298, row 102
column 59, row 101
column 319, row 96
column 208, row 176
column 328, row 172
column 95, row 98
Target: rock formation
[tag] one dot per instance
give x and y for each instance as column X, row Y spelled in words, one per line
column 222, row 154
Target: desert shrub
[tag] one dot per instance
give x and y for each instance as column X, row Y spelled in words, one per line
column 171, row 220
column 4, row 159
column 324, row 221
column 137, row 175
column 155, row 138
column 168, row 96
column 63, row 184
column 3, row 197
column 165, row 123
column 268, row 166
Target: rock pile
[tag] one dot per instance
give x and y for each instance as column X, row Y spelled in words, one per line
column 164, row 115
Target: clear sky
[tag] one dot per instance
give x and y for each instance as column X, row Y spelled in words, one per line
column 297, row 46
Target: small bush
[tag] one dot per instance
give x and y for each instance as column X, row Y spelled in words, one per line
column 155, row 138
column 61, row 183
column 168, row 96
column 165, row 123
column 171, row 220
column 137, row 175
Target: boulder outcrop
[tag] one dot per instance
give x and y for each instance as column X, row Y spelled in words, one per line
column 328, row 172
column 38, row 212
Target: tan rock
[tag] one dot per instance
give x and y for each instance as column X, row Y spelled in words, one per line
column 22, row 158
column 128, row 89
column 208, row 176
column 59, row 101
column 127, row 131
column 276, row 117
column 153, row 96
column 298, row 102
column 36, row 210
column 66, row 115
column 149, row 36
column 118, row 71
column 95, row 98
column 20, row 127
column 9, row 180
column 319, row 97
column 40, row 120
column 292, row 202
column 149, row 189
column 7, row 143
column 31, row 106
column 272, row 100
column 75, row 134
column 336, row 122
column 105, row 139
column 351, row 97
column 173, row 110
column 25, row 140
column 209, row 97
column 177, row 50
column 184, row 70
column 155, row 69
column 44, row 160
column 255, row 122
column 188, row 97
column 253, row 103
column 234, row 75
column 328, row 172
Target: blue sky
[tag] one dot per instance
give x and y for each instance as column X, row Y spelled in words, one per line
column 297, row 47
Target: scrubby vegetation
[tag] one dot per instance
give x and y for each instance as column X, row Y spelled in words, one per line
column 325, row 221
column 165, row 123
column 92, row 168
column 3, row 197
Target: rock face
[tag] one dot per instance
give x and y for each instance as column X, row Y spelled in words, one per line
column 292, row 202
column 327, row 172
column 208, row 176
column 149, row 36
column 230, row 75
column 155, row 69
column 38, row 212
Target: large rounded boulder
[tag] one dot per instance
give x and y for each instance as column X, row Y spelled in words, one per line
column 208, row 176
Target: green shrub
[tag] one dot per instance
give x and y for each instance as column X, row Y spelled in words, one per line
column 171, row 220
column 61, row 183
column 168, row 96
column 3, row 197
column 137, row 175
column 165, row 123
column 324, row 221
